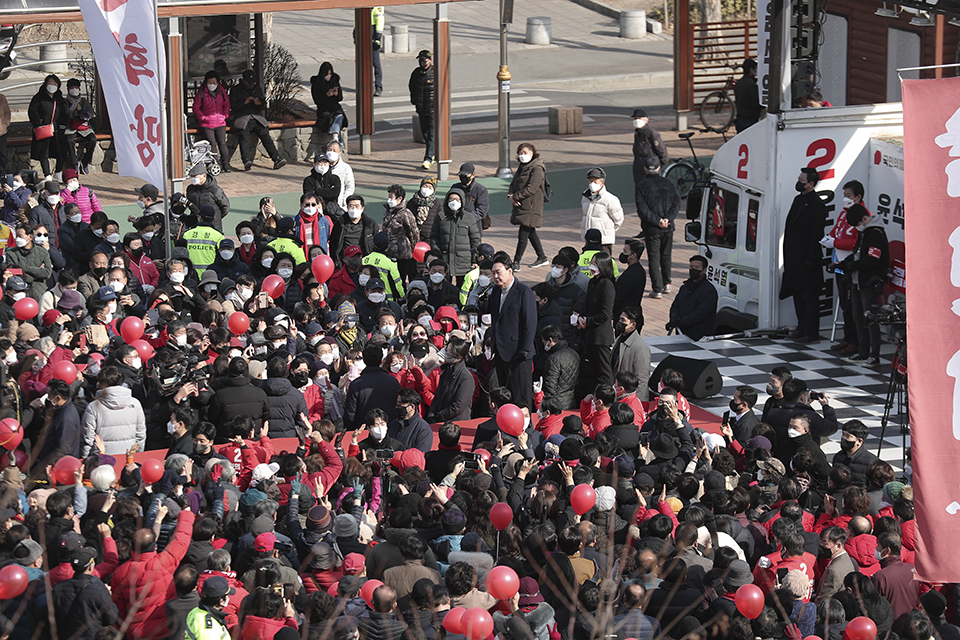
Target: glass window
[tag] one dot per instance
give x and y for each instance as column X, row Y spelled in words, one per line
column 753, row 207
column 722, row 217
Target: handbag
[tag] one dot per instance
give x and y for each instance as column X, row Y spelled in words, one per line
column 46, row 130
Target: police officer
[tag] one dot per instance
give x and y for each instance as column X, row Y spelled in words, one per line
column 421, row 96
column 208, row 621
column 377, row 22
column 203, row 241
column 593, row 245
column 484, row 252
column 287, row 242
column 386, row 265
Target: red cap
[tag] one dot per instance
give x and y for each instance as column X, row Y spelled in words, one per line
column 353, row 564
column 352, row 251
column 50, row 316
column 264, row 542
column 403, row 460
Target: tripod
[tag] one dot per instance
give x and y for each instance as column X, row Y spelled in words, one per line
column 897, row 397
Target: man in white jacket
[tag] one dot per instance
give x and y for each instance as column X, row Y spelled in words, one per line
column 601, row 210
column 115, row 415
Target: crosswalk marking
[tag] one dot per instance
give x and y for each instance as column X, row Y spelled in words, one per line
column 461, row 104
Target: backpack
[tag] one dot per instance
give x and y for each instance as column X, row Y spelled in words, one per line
column 547, row 189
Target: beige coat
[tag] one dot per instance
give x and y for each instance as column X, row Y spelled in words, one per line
column 602, row 211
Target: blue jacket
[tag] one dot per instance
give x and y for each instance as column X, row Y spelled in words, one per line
column 12, row 203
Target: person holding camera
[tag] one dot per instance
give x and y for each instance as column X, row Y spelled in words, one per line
column 869, row 265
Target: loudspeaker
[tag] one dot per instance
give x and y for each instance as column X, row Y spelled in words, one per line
column 701, row 378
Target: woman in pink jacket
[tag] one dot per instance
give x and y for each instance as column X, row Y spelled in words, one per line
column 82, row 196
column 211, row 106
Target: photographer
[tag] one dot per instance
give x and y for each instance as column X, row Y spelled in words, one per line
column 869, row 265
column 797, row 399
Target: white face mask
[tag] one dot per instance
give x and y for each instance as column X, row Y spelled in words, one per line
column 73, row 185
column 354, row 213
column 454, row 205
column 226, row 255
column 209, row 288
column 212, row 86
column 315, row 340
column 321, row 168
column 266, row 262
column 594, row 270
column 473, row 320
column 350, row 324
column 284, row 273
column 147, row 236
column 395, row 367
column 392, row 202
column 332, row 156
column 363, row 279
column 113, row 238
column 137, row 363
column 793, row 433
column 41, row 238
column 424, row 321
column 141, row 204
column 246, row 238
column 17, row 184
column 181, row 340
column 436, row 278
column 171, row 427
column 524, row 157
column 483, row 281
column 108, row 318
column 76, row 218
column 638, row 123
column 177, row 277
column 426, row 191
column 196, row 180
column 377, row 297
column 488, row 353
column 280, row 345
column 116, row 286
column 52, row 88
column 10, row 359
column 595, row 186
column 73, row 93
column 245, row 294
column 486, row 319
column 310, row 211
column 21, row 242
column 236, row 354
column 54, row 199
column 388, row 330
column 556, row 272
column 378, row 433
column 98, row 232
column 20, row 295
column 847, row 203
column 112, row 308
column 326, row 358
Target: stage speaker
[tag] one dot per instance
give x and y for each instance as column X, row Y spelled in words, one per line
column 701, row 378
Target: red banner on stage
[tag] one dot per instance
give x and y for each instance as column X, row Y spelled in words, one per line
column 931, row 146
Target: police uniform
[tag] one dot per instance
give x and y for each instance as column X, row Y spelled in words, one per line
column 468, row 281
column 584, row 263
column 291, row 246
column 204, row 625
column 203, row 243
column 388, row 273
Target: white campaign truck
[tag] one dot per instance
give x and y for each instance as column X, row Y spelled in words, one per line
column 740, row 211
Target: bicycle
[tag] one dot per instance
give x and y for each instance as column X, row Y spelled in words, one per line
column 718, row 110
column 686, row 173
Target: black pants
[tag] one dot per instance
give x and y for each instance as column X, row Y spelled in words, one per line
column 426, row 128
column 3, row 154
column 806, row 303
column 845, row 293
column 408, row 269
column 218, row 140
column 660, row 258
column 518, row 377
column 79, row 149
column 868, row 333
column 601, row 363
column 248, row 141
column 531, row 234
column 377, row 69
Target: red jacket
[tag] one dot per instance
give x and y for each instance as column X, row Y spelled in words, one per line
column 142, row 585
column 230, row 611
column 145, row 270
column 244, row 460
column 332, row 466
column 317, row 580
column 257, row 628
column 340, row 282
column 550, row 425
column 58, row 355
column 861, row 549
column 594, row 422
column 808, row 523
column 64, row 570
column 764, row 577
column 844, row 236
column 908, row 538
column 632, row 401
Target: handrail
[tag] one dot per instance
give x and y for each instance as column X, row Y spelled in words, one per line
column 37, row 63
column 30, row 45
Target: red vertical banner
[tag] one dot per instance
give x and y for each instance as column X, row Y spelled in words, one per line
column 931, row 147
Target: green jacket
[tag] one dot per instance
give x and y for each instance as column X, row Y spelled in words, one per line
column 203, row 243
column 203, row 624
column 36, row 265
column 388, row 273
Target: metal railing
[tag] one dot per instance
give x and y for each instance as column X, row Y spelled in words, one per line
column 715, row 47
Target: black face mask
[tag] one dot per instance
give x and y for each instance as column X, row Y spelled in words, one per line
column 99, row 271
column 419, row 350
column 695, row 274
column 299, row 379
column 423, row 64
column 734, row 406
column 620, row 327
column 624, row 258
column 823, row 553
column 800, row 186
column 354, row 263
column 465, row 180
column 136, row 253
column 848, row 445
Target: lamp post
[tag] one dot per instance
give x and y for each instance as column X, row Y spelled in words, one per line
column 503, row 97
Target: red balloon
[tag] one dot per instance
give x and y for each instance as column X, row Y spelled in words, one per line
column 862, row 628
column 420, row 251
column 11, row 435
column 582, row 498
column 151, row 470
column 501, row 515
column 510, row 419
column 483, row 453
column 238, row 323
column 749, row 601
column 26, row 309
column 64, row 469
column 273, row 285
column 143, row 348
column 476, row 623
column 503, row 583
column 66, row 371
column 322, row 267
column 453, row 621
column 813, row 638
column 366, row 591
column 131, row 329
column 13, row 581
column 22, row 459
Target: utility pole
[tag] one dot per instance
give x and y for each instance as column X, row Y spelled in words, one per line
column 503, row 97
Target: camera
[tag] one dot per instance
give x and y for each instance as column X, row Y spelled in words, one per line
column 816, row 395
column 887, row 314
column 471, row 461
column 169, row 377
column 383, row 454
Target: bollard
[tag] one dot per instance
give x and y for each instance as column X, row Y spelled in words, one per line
column 633, row 24
column 401, row 41
column 386, row 45
column 56, row 51
column 539, row 30
column 411, row 42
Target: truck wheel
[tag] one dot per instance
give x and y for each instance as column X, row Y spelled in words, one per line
column 683, row 177
column 717, row 111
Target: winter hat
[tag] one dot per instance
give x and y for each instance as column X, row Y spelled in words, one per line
column 892, row 491
column 795, row 582
column 27, row 551
column 453, row 521
column 472, row 542
column 761, row 442
column 319, row 519
column 738, row 574
column 193, row 498
column 713, row 481
column 570, row 449
column 261, row 524
column 773, row 468
column 606, row 498
column 529, row 592
column 345, row 526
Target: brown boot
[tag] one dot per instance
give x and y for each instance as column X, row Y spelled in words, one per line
column 849, row 351
column 840, row 346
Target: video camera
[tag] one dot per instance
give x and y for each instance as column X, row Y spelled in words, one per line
column 169, row 377
column 887, row 314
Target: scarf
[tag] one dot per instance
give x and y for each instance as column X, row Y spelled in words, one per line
column 320, row 231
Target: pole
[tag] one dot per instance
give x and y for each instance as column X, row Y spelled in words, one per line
column 503, row 95
column 162, row 91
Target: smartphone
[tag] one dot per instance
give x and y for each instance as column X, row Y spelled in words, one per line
column 8, row 180
column 289, row 591
column 645, row 439
column 383, row 454
column 471, row 461
column 726, row 418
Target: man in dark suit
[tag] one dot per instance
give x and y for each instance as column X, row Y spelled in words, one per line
column 633, row 281
column 374, row 389
column 744, row 419
column 513, row 326
column 803, row 256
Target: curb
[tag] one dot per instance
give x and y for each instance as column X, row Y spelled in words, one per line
column 600, row 7
column 626, row 82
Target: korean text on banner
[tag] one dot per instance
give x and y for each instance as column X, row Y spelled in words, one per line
column 931, row 144
column 123, row 34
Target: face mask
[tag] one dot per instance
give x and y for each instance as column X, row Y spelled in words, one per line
column 333, row 156
column 73, row 185
column 350, row 324
column 177, row 277
column 395, row 367
column 284, row 273
column 212, row 86
column 76, row 218
column 523, row 158
column 201, row 448
column 209, row 288
column 321, row 381
column 244, row 294
column 556, row 273
column 877, row 554
column 454, row 205
column 436, row 278
column 41, row 238
column 99, row 271
column 112, row 308
column 327, row 77
column 638, row 123
column 377, row 297
column 483, row 281
column 526, row 422
column 793, row 433
column 98, row 232
column 280, row 345
column 113, row 238
column 378, row 433
column 695, row 274
column 488, row 353
column 147, row 236
column 547, row 346
column 426, row 191
column 624, row 258
column 321, row 168
column 848, row 445
column 10, row 359
column 363, row 279
column 137, row 363
column 486, row 319
column 800, row 186
column 246, row 238
column 266, row 262
column 195, row 180
column 171, row 427
column 772, row 390
column 20, row 295
column 52, row 88
column 848, row 202
column 73, row 93
column 236, row 354
column 594, row 271
column 310, row 211
column 442, row 355
column 595, row 186
column 21, row 242
column 299, row 379
column 620, row 328
column 226, row 255
column 116, row 286
column 315, row 340
column 54, row 199
column 423, row 64
column 327, row 359
column 424, row 321
column 392, row 203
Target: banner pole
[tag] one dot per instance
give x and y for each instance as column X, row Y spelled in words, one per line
column 162, row 86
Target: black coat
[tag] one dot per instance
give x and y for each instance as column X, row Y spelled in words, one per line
column 820, row 426
column 421, row 87
column 457, row 236
column 598, row 310
column 67, row 236
column 630, row 288
column 657, row 198
column 368, row 229
column 374, row 389
column 560, row 370
column 327, row 106
column 646, row 144
column 326, row 187
column 527, row 188
column 454, row 396
column 628, row 436
column 239, row 397
column 744, row 425
column 513, row 327
column 694, row 309
column 83, row 604
column 802, row 252
column 210, row 193
column 286, row 405
column 46, row 109
column 858, row 463
column 548, row 314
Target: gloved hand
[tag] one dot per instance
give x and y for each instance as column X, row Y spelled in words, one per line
column 295, row 485
column 357, row 485
column 377, row 40
column 520, row 356
column 538, row 385
column 184, row 200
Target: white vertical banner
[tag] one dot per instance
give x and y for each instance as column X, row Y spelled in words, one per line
column 124, row 37
column 764, row 36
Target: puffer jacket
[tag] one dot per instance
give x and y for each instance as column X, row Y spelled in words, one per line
column 84, row 598
column 861, row 548
column 286, row 405
column 569, row 295
column 601, row 210
column 36, row 264
column 561, row 369
column 211, row 109
column 210, row 193
column 401, row 226
column 117, row 417
column 85, row 198
column 238, row 396
column 527, row 188
column 456, row 234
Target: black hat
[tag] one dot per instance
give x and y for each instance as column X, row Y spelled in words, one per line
column 593, row 236
column 207, row 212
column 639, row 113
column 148, row 191
column 286, row 224
column 933, row 603
column 570, row 449
column 73, row 82
column 249, row 75
column 198, row 169
column 596, row 172
column 664, row 447
column 425, row 53
column 651, row 162
column 381, row 239
column 216, row 587
column 82, row 558
column 467, row 169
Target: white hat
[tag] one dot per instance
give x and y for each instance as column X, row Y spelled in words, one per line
column 714, row 440
column 264, row 471
column 606, row 498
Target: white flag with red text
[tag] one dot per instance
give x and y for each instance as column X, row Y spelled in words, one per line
column 124, row 36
